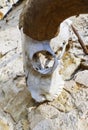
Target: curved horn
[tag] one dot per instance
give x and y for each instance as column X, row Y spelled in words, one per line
column 41, row 18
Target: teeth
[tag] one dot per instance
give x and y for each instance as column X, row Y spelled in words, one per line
column 5, row 7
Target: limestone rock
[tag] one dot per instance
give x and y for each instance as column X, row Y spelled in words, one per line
column 17, row 106
column 6, row 6
column 83, row 124
column 6, row 122
column 49, row 118
column 82, row 78
column 17, row 109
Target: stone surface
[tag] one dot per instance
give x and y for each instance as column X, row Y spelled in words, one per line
column 48, row 117
column 17, row 109
column 6, row 6
column 82, row 78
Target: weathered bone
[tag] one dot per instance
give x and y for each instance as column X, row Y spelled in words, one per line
column 42, row 66
column 35, row 49
column 39, row 22
column 41, row 85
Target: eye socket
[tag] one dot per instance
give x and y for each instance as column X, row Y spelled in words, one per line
column 43, row 62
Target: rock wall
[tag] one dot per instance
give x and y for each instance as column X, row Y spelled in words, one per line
column 18, row 111
column 6, row 6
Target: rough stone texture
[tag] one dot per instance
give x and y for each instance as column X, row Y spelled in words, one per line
column 47, row 117
column 82, row 78
column 6, row 6
column 17, row 109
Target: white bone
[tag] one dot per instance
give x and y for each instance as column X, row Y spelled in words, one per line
column 42, row 84
column 42, row 87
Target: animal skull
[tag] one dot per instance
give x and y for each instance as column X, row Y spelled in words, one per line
column 42, row 66
column 39, row 23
